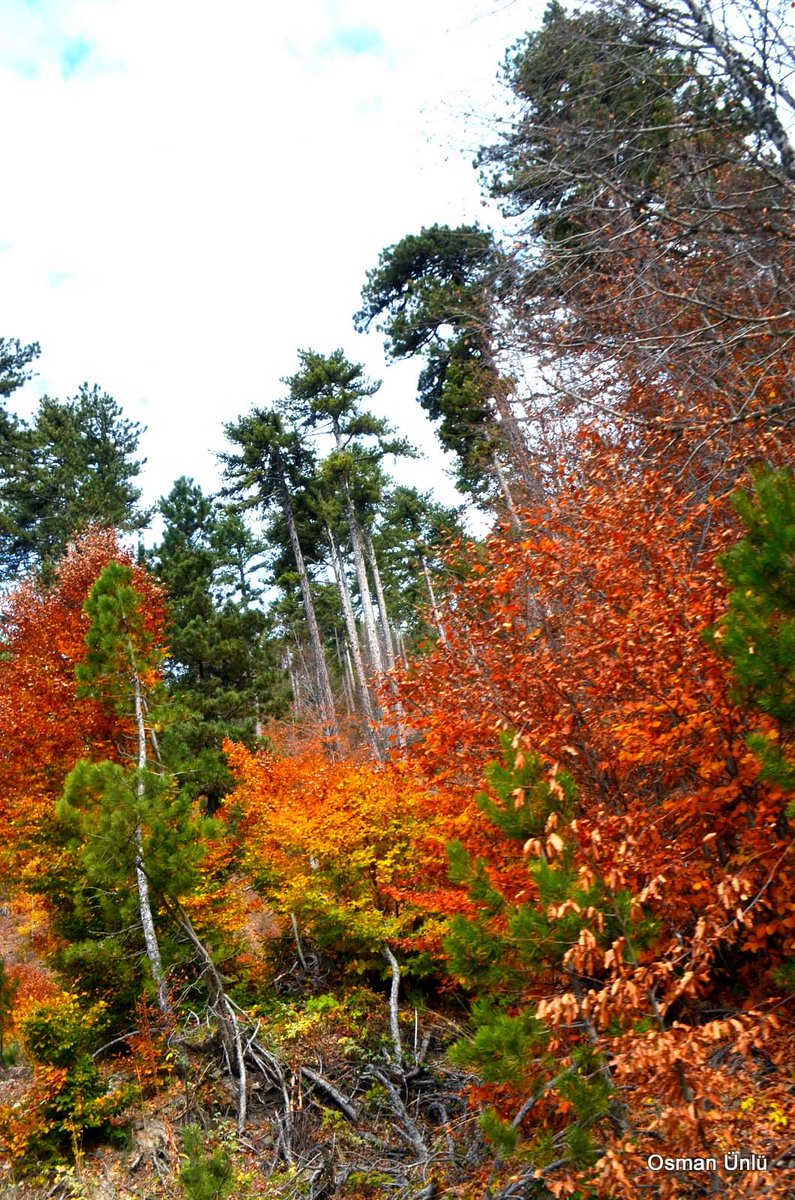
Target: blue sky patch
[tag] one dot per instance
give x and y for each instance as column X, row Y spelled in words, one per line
column 355, row 40
column 74, row 56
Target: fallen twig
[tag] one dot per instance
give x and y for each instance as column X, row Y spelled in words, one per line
column 343, row 1104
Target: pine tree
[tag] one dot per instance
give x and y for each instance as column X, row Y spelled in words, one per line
column 74, row 466
column 758, row 632
column 15, row 363
column 436, row 294
column 527, row 921
column 638, row 167
column 135, row 826
column 222, row 672
column 272, row 468
column 411, row 535
column 326, row 395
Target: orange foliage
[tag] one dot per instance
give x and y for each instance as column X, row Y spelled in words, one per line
column 44, row 727
column 32, row 983
column 586, row 635
column 152, row 1059
column 336, row 843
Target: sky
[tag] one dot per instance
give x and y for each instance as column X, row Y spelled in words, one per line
column 194, row 190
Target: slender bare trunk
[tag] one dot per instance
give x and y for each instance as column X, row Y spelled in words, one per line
column 325, row 694
column 506, row 493
column 431, row 596
column 394, row 1016
column 342, row 663
column 144, row 903
column 295, row 683
column 368, row 707
column 350, row 681
column 386, row 629
column 357, row 545
column 350, row 626
column 389, row 646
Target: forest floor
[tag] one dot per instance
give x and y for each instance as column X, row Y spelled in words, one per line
column 344, row 1115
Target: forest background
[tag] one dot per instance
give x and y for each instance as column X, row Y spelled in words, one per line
column 358, row 856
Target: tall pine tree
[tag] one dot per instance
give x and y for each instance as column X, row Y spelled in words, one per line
column 222, row 673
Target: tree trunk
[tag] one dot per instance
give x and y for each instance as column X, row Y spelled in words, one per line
column 749, row 78
column 324, row 682
column 389, row 646
column 369, row 711
column 357, row 545
column 350, row 681
column 350, row 626
column 506, row 493
column 144, row 904
column 295, row 685
column 434, row 610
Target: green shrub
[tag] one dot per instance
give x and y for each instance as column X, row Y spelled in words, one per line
column 205, row 1176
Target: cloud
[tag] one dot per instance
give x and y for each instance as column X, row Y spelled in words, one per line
column 193, row 190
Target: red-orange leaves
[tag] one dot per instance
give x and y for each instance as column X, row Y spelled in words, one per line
column 587, row 637
column 44, row 727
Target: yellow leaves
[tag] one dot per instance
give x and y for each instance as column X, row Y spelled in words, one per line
column 777, row 1117
column 335, row 838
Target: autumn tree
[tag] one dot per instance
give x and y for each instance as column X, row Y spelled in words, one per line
column 45, row 727
column 651, row 229
column 588, row 637
column 336, row 844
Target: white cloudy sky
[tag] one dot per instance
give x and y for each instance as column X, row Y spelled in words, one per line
column 192, row 190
